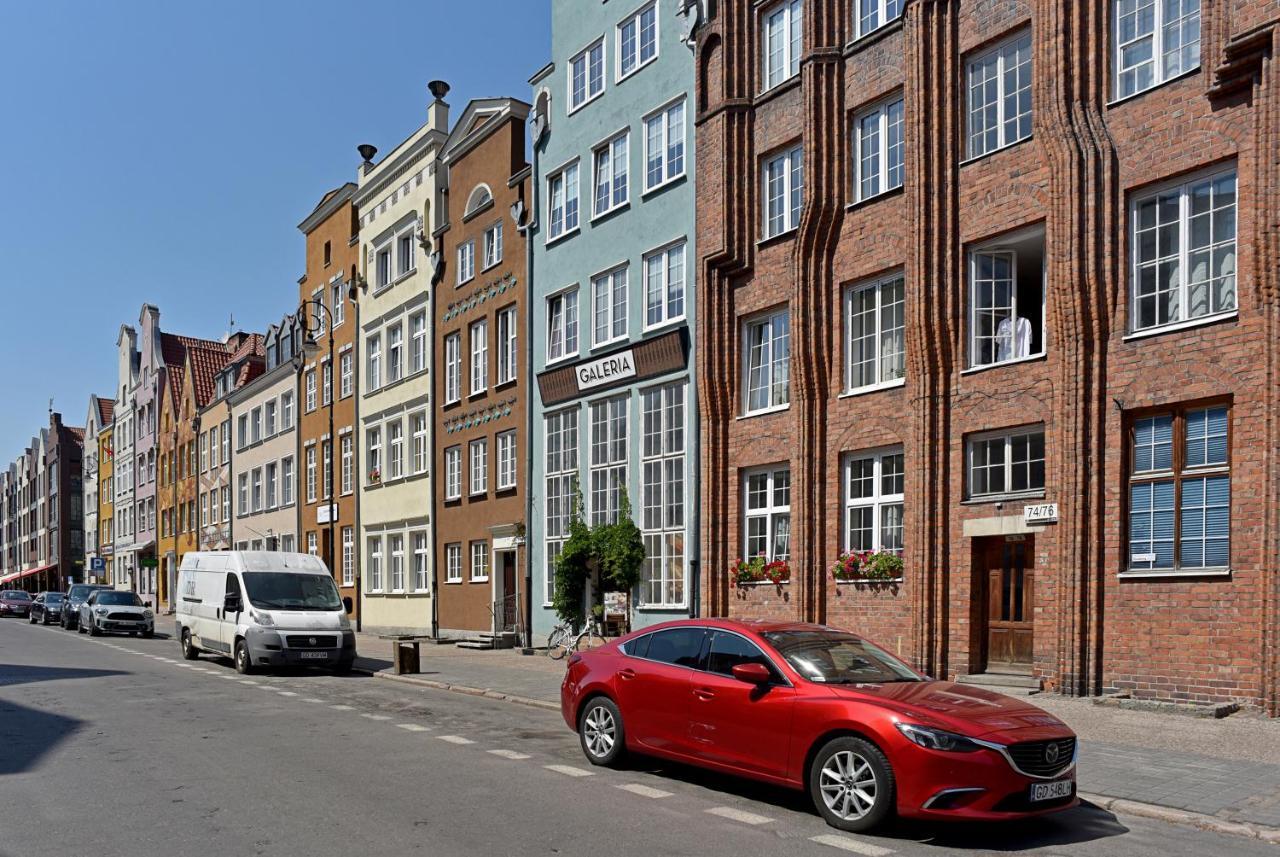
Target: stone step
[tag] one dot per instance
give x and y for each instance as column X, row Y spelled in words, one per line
column 1009, row 683
column 475, row 644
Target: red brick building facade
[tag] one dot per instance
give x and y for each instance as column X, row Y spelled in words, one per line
column 968, row 261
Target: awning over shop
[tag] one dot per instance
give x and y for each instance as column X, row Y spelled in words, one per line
column 18, row 575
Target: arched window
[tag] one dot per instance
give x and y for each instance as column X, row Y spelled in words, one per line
column 480, row 197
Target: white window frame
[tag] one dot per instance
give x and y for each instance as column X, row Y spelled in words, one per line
column 610, row 311
column 609, row 457
column 395, row 352
column 395, row 449
column 348, row 556
column 772, row 512
column 406, row 254
column 478, row 466
column 879, row 502
column 561, row 431
column 769, row 363
column 661, row 287
column 421, row 568
column 882, row 175
column 605, row 159
column 508, row 353
column 466, row 261
column 664, row 484
column 310, row 388
column 339, row 307
column 309, row 458
column 1008, row 436
column 492, row 246
column 395, row 551
column 673, row 157
column 1157, row 38
column 479, row 570
column 567, row 299
column 1001, row 248
column 453, row 473
column 373, row 450
column 347, row 370
column 885, row 12
column 373, row 580
column 417, row 342
column 585, row 57
column 879, row 285
column 347, row 446
column 635, row 19
column 421, row 455
column 791, row 48
column 569, row 217
column 286, row 411
column 791, row 163
column 453, row 368
column 506, row 460
column 478, row 337
column 1003, row 54
column 286, row 481
column 384, row 266
column 373, row 361
column 453, row 562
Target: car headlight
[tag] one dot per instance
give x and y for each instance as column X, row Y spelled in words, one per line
column 101, row 611
column 147, row 614
column 937, row 739
column 344, row 623
column 263, row 619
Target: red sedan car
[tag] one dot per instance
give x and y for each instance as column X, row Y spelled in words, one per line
column 819, row 709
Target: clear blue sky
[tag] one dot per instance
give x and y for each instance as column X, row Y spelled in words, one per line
column 166, row 151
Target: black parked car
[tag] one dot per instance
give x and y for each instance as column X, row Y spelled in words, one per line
column 76, row 596
column 15, row 602
column 47, row 608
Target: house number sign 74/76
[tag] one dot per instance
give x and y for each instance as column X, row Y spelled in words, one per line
column 1040, row 513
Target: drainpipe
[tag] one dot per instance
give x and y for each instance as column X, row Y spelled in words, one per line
column 356, row 283
column 529, row 305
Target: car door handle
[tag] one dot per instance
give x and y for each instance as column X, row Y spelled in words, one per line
column 705, row 694
column 627, row 674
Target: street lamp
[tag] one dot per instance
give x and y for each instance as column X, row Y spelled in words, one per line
column 308, row 321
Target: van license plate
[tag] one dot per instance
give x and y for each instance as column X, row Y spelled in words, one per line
column 1051, row 791
column 316, row 655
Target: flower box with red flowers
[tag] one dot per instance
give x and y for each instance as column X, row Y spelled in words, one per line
column 867, row 567
column 746, row 572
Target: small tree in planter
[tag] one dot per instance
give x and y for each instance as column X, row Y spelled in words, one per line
column 609, row 554
column 869, row 566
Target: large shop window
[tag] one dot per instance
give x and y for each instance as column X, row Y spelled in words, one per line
column 767, row 346
column 562, row 484
column 1155, row 41
column 1005, row 463
column 608, row 471
column 783, row 34
column 1006, row 300
column 1180, row 491
column 662, row 489
column 1000, row 96
column 875, row 344
column 874, row 501
column 768, row 513
column 1184, row 252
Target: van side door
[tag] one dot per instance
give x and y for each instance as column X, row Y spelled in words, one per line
column 230, row 607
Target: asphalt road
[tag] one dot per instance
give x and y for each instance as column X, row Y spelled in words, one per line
column 116, row 746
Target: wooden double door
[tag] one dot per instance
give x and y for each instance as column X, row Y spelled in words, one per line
column 1006, row 566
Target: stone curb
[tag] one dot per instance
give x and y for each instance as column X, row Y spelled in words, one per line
column 1212, row 823
column 469, row 691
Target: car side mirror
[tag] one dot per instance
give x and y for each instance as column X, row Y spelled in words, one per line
column 346, row 604
column 231, row 603
column 752, row 673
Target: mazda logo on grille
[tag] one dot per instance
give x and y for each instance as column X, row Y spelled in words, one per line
column 1051, row 753
column 312, row 641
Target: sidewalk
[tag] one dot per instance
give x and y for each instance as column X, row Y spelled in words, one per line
column 1231, row 771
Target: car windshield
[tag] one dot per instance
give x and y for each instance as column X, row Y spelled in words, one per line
column 276, row 590
column 118, row 599
column 53, row 598
column 834, row 657
column 16, row 595
column 81, row 590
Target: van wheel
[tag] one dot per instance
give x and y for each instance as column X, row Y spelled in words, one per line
column 852, row 784
column 244, row 665
column 189, row 652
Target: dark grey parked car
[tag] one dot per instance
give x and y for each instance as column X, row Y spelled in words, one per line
column 47, row 608
column 76, row 596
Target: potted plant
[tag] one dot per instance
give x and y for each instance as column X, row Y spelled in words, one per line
column 867, row 566
column 757, row 570
column 375, row 475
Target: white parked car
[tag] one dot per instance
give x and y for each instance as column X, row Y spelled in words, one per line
column 111, row 610
column 263, row 608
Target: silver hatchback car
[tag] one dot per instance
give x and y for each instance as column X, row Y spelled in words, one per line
column 115, row 611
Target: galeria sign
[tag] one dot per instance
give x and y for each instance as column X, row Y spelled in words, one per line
column 1040, row 513
column 606, row 370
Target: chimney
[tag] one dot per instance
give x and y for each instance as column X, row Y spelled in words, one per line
column 438, row 110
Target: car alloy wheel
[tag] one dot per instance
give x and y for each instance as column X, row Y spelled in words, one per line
column 852, row 784
column 600, row 731
column 848, row 785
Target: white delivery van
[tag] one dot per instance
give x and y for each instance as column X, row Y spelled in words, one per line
column 263, row 608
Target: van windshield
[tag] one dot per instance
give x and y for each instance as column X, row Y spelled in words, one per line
column 274, row 590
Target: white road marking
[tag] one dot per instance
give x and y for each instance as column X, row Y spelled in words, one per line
column 455, row 739
column 414, row 727
column 853, row 846
column 510, row 754
column 311, row 699
column 342, row 708
column 286, row 693
column 643, row 791
column 247, row 681
column 569, row 771
column 739, row 815
column 376, row 716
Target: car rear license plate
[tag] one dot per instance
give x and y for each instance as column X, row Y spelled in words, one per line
column 1051, row 791
column 316, row 655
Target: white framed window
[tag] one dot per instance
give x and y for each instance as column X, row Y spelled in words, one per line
column 453, row 563
column 662, row 487
column 256, row 483
column 452, row 368
column 310, row 386
column 562, row 202
column 610, row 175
column 310, row 458
column 506, row 460
column 313, row 546
column 466, row 261
column 338, row 304
column 878, row 149
column 395, row 353
column 286, row 411
column 204, row 510
column 420, row 580
column 664, row 133
column 286, row 482
column 204, row 453
column 373, row 580
column 348, row 463
column 609, row 306
column 405, row 253
column 271, row 422
column 561, row 465
column 479, row 333
column 326, row 389
column 226, row 501
column 395, row 449
column 874, row 14
column 508, row 356
column 373, row 453
column 255, row 425
column 226, row 436
column 384, row 266
column 373, row 358
column 273, row 472
column 999, row 110
column 873, row 500
column 783, row 191
column 318, row 311
column 664, row 285
column 767, row 358
column 1155, row 41
column 395, row 547
column 479, row 561
column 875, row 334
column 1006, row 299
column 1184, row 252
column 767, row 530
column 637, row 40
column 478, row 454
column 562, row 325
column 419, row 425
column 608, row 470
column 586, row 75
column 1005, row 462
column 326, row 469
column 453, row 473
column 783, row 33
column 346, row 365
column 348, row 556
column 418, row 345
column 493, row 245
